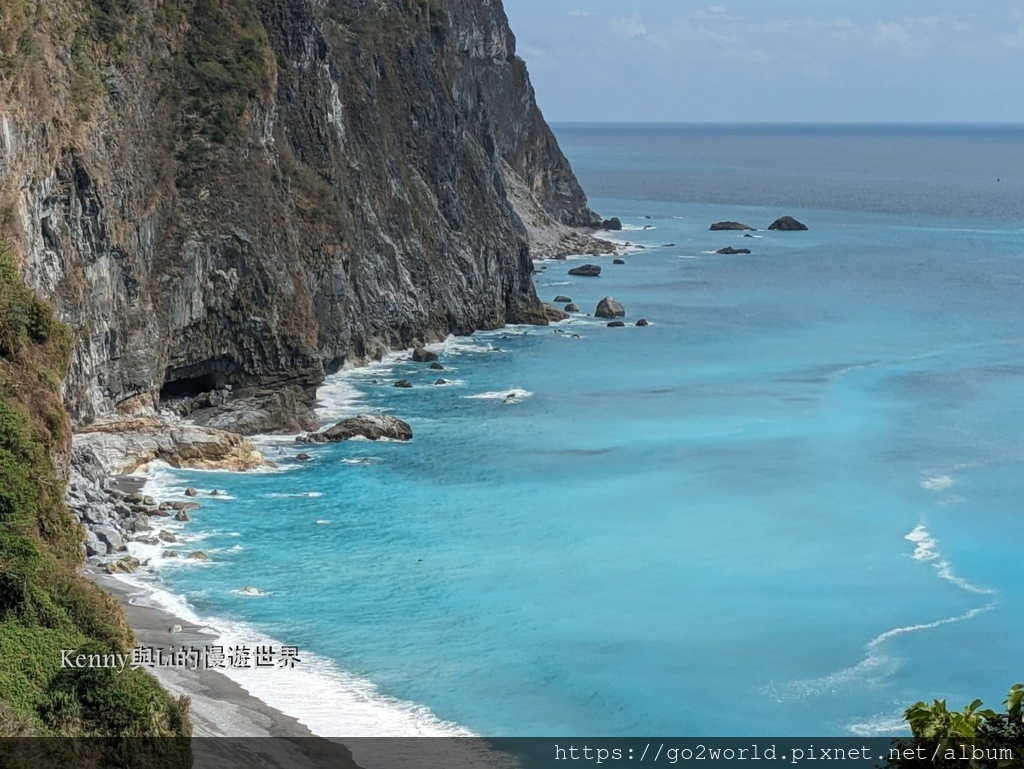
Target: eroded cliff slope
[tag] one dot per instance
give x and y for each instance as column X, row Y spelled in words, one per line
column 243, row 194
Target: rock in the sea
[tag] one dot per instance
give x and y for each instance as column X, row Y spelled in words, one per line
column 405, row 383
column 616, row 324
column 610, row 308
column 572, row 307
column 303, row 457
column 562, row 299
column 586, row 271
column 747, row 235
column 423, row 355
column 643, row 322
column 671, row 245
column 181, row 515
column 370, row 426
column 198, row 555
column 611, row 224
column 729, row 250
column 170, row 554
column 618, row 261
column 554, row 314
column 442, row 382
column 730, row 226
column 190, row 492
column 787, row 223
column 167, row 536
column 436, row 367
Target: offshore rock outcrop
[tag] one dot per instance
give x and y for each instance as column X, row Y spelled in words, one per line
column 237, row 197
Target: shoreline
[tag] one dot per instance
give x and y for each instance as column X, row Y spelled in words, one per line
column 220, row 706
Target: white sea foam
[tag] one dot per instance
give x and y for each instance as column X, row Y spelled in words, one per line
column 252, row 592
column 556, row 283
column 328, row 700
column 877, row 664
column 926, row 549
column 871, row 670
column 880, row 725
column 925, row 544
column 512, row 395
column 937, row 483
column 360, row 461
column 322, row 522
column 311, row 494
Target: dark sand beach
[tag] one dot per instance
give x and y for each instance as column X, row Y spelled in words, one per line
column 231, row 728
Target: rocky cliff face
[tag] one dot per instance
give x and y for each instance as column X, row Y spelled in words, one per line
column 237, row 196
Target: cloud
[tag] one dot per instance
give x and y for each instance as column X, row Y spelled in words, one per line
column 1014, row 42
column 715, row 13
column 577, row 13
column 891, row 32
column 631, row 27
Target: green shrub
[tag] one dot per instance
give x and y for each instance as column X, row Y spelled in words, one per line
column 222, row 67
column 44, row 605
column 975, row 737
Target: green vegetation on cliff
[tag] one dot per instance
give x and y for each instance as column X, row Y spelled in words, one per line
column 45, row 606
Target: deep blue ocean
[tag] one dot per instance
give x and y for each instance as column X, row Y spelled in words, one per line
column 792, row 505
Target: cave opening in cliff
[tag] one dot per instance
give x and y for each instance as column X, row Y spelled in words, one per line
column 188, row 387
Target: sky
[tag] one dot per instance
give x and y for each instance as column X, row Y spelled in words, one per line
column 917, row 61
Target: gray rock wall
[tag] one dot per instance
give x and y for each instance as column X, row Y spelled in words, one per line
column 363, row 204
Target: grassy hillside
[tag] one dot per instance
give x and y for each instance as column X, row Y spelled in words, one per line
column 44, row 605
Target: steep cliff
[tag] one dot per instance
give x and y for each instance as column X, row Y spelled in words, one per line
column 237, row 196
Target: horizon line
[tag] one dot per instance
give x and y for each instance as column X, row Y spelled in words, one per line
column 916, row 123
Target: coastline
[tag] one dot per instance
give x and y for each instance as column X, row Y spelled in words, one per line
column 220, row 706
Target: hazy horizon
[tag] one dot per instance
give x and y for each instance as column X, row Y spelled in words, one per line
column 768, row 61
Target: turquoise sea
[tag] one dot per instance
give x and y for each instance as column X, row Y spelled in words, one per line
column 792, row 505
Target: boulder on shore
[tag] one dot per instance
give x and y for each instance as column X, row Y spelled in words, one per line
column 423, row 355
column 586, row 271
column 554, row 314
column 611, row 224
column 370, row 426
column 787, row 223
column 121, row 447
column 730, row 250
column 730, row 226
column 610, row 308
